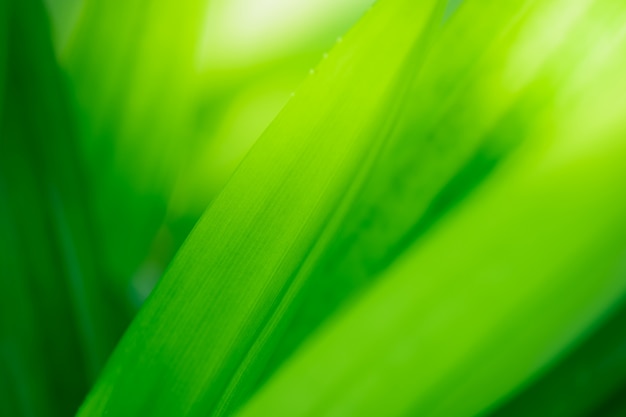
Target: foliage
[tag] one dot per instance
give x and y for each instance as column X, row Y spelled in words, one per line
column 432, row 224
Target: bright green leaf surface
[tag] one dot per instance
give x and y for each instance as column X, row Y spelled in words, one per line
column 494, row 289
column 439, row 147
column 462, row 116
column 356, row 379
column 246, row 259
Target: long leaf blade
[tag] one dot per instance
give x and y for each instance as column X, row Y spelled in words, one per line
column 221, row 291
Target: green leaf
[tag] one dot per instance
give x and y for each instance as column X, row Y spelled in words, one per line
column 455, row 127
column 432, row 340
column 483, row 302
column 206, row 329
column 439, row 147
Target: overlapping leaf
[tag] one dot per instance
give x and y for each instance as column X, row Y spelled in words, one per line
column 512, row 276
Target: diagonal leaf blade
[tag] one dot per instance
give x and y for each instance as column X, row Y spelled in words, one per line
column 244, row 262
